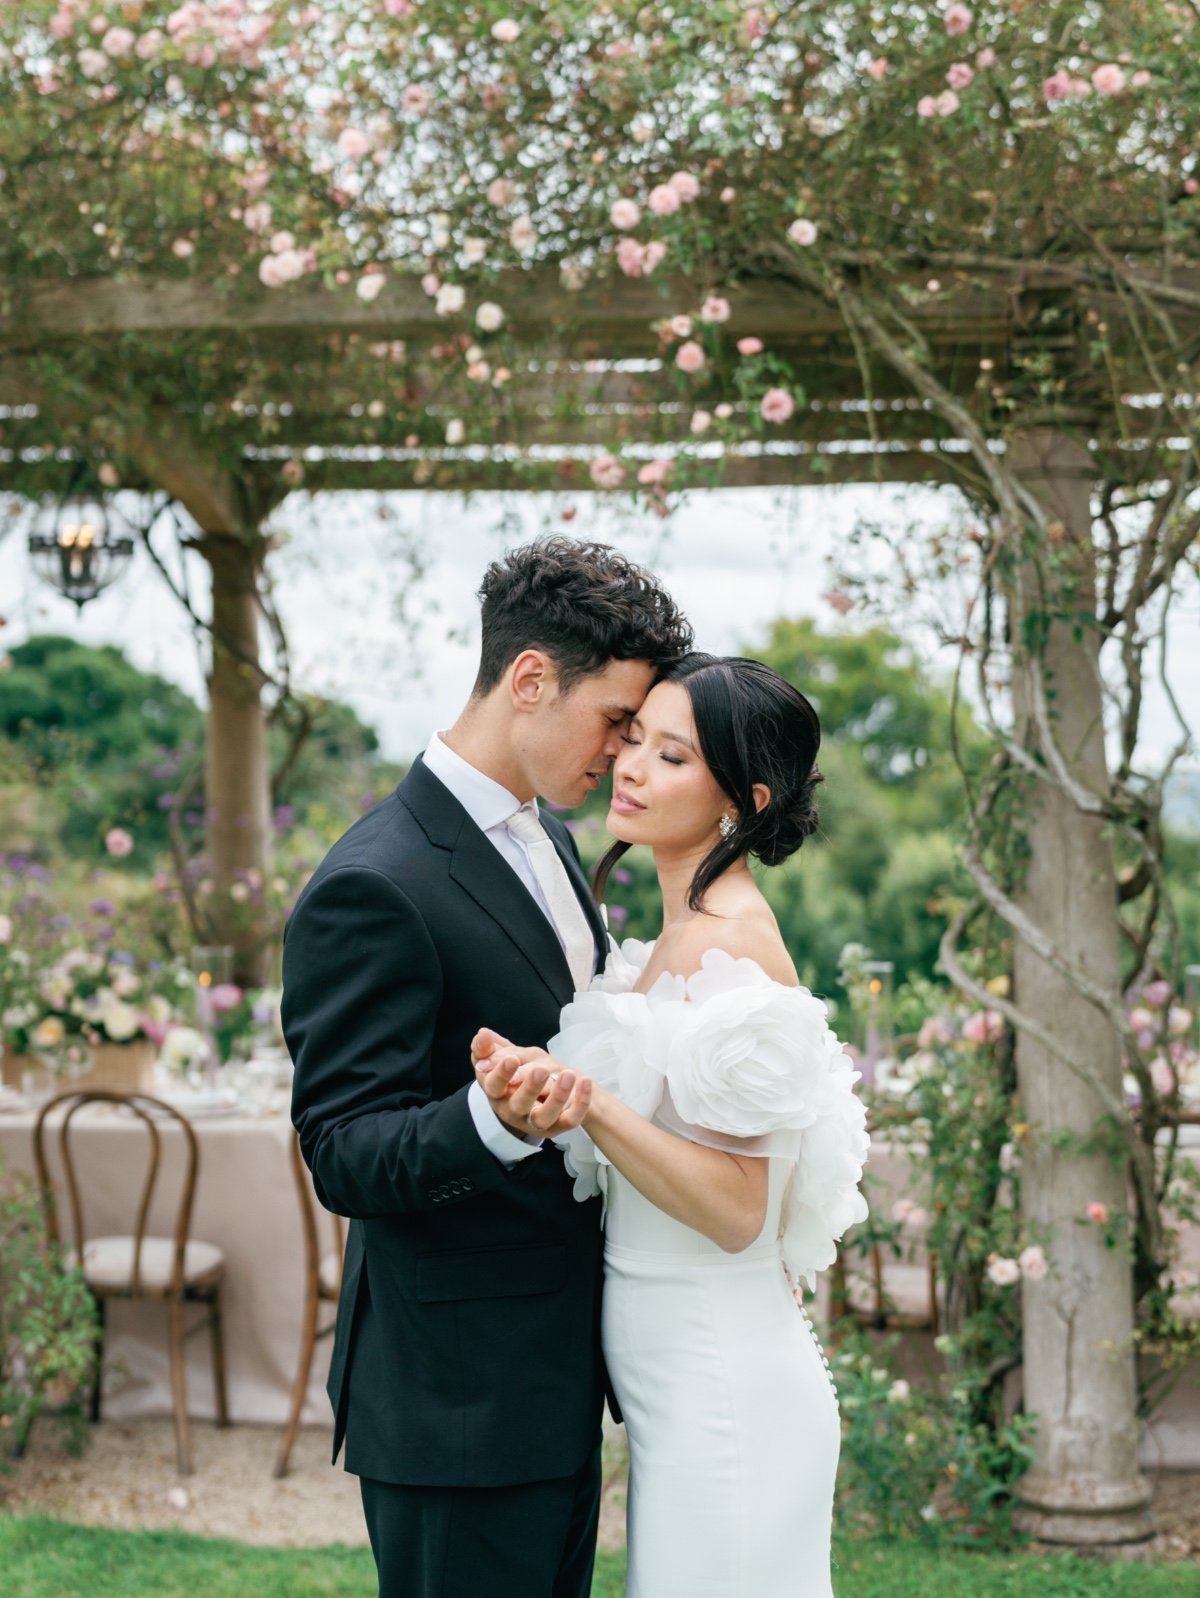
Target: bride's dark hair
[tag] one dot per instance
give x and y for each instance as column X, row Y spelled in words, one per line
column 753, row 727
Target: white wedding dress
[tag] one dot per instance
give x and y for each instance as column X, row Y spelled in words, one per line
column 729, row 1407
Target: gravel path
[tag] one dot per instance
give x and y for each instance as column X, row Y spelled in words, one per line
column 126, row 1477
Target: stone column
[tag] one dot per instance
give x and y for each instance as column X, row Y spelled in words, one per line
column 1084, row 1487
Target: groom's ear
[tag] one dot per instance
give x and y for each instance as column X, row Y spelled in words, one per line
column 530, row 677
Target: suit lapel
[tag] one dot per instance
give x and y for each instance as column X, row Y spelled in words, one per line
column 482, row 871
column 479, row 868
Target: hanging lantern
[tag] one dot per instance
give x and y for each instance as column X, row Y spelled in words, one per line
column 75, row 547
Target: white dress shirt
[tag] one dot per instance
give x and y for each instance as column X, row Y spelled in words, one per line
column 489, row 806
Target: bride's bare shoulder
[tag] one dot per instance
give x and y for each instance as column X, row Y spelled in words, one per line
column 753, row 935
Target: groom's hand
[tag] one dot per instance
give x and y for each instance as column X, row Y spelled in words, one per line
column 527, row 1093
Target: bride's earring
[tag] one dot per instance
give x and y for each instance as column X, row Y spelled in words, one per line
column 727, row 826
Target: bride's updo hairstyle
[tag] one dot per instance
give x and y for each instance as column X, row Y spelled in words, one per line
column 753, row 727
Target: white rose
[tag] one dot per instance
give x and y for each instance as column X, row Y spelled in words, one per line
column 370, row 287
column 489, row 316
column 121, row 1021
column 183, row 1048
column 451, row 297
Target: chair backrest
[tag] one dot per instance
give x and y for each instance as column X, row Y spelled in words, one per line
column 148, row 1111
column 308, row 1220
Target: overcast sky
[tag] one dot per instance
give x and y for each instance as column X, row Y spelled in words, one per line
column 735, row 560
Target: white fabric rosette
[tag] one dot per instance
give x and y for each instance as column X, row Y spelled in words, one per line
column 734, row 1060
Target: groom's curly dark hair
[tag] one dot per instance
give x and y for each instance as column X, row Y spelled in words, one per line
column 583, row 603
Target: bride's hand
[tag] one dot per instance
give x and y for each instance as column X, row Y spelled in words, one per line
column 486, row 1043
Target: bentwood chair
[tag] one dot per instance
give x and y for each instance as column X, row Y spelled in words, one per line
column 904, row 1297
column 322, row 1284
column 175, row 1271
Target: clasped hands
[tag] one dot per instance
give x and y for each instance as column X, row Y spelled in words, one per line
column 530, row 1091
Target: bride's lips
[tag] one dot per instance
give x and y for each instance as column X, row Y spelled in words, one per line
column 624, row 805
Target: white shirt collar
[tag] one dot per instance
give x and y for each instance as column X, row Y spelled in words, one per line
column 486, row 802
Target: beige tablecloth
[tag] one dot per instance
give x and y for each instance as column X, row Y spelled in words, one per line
column 246, row 1203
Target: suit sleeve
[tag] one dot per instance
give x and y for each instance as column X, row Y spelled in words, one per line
column 361, row 991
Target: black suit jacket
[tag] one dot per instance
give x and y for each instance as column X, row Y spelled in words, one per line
column 467, row 1343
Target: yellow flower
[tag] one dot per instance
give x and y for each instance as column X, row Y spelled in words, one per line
column 48, row 1034
column 999, row 986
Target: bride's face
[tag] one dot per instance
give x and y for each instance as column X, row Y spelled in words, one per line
column 663, row 793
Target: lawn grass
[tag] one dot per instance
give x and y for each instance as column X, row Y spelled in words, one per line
column 42, row 1558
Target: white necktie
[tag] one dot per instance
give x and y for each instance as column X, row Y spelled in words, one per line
column 566, row 913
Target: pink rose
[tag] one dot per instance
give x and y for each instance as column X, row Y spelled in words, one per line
column 1098, row 1212
column 689, row 357
column 625, row 214
column 927, row 106
column 983, row 1026
column 681, row 326
column 958, row 19
column 117, row 41
column 715, row 309
column 960, row 75
column 353, row 144
column 985, row 58
column 1157, row 993
column 118, row 842
column 1108, row 79
column 257, row 217
column 878, row 67
column 777, row 405
column 1059, row 86
column 947, row 103
column 225, row 996
column 839, row 601
column 607, row 472
column 652, row 255
column 802, row 231
column 1140, row 78
column 750, row 346
column 183, row 248
column 62, row 25
column 630, row 256
column 292, row 473
column 416, row 99
column 701, row 421
column 654, row 473
column 506, row 30
column 663, row 200
column 1032, row 1263
column 685, row 186
column 398, row 8
column 500, row 191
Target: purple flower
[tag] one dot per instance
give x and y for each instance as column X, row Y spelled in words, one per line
column 263, row 1012
column 618, row 915
column 367, row 802
column 166, row 801
column 284, row 817
column 622, row 876
column 102, row 907
column 122, row 957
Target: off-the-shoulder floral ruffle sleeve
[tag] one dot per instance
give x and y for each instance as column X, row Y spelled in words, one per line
column 729, row 1058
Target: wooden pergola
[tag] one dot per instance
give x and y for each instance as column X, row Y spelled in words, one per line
column 588, row 378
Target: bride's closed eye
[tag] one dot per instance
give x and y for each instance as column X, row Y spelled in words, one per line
column 671, row 760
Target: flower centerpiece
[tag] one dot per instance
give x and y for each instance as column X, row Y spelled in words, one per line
column 105, row 1015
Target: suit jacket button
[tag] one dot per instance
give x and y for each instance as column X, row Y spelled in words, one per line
column 435, row 1195
column 467, row 1185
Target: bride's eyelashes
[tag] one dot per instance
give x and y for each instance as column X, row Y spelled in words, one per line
column 671, row 760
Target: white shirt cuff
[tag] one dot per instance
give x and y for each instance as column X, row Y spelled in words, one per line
column 508, row 1147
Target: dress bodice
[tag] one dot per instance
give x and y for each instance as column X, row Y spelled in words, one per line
column 732, row 1059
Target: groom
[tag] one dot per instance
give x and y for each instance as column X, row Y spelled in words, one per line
column 466, row 1376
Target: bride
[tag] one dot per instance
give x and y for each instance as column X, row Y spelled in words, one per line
column 724, row 1132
